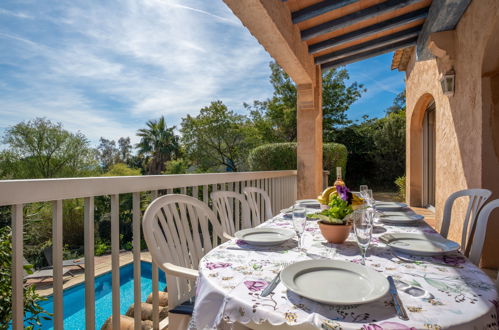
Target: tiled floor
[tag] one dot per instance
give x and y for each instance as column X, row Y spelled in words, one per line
column 102, row 265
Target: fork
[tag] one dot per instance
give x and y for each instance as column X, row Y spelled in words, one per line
column 268, row 290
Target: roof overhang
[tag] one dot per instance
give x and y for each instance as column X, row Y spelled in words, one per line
column 331, row 33
column 401, row 58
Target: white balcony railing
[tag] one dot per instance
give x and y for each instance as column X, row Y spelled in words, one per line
column 280, row 185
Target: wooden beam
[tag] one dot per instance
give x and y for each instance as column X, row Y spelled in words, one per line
column 368, row 54
column 318, row 9
column 356, row 17
column 443, row 16
column 270, row 23
column 369, row 30
column 369, row 45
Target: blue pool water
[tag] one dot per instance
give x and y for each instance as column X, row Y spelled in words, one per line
column 74, row 297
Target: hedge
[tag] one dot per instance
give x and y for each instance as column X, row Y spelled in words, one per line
column 282, row 156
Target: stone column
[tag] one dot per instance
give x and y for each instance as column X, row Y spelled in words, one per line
column 309, row 136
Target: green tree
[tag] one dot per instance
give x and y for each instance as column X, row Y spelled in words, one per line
column 398, row 103
column 275, row 118
column 376, row 149
column 176, row 166
column 217, row 137
column 337, row 98
column 389, row 143
column 125, row 150
column 158, row 144
column 108, row 153
column 111, row 153
column 41, row 149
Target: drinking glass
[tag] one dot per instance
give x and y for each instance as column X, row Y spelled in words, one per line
column 299, row 222
column 363, row 228
column 362, row 190
column 368, row 196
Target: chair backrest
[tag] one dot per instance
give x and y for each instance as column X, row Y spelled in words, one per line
column 47, row 252
column 259, row 203
column 480, row 230
column 477, row 198
column 232, row 210
column 180, row 230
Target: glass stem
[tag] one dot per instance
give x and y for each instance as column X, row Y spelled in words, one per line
column 363, row 251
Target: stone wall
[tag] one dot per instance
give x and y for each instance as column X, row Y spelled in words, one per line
column 466, row 123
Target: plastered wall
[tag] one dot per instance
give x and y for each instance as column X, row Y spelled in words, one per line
column 467, row 146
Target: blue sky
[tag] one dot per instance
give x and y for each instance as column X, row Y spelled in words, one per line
column 106, row 67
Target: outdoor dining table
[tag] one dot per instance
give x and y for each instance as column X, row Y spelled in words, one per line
column 232, row 276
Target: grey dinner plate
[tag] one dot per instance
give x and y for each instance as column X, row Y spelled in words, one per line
column 401, row 218
column 419, row 244
column 390, row 206
column 309, row 203
column 264, row 236
column 334, row 282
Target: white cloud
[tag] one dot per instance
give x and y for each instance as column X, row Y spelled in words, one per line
column 107, row 67
column 14, row 14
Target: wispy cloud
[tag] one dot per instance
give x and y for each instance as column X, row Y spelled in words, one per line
column 382, row 86
column 107, row 67
column 14, row 14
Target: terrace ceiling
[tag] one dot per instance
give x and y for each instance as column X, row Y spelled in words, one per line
column 338, row 32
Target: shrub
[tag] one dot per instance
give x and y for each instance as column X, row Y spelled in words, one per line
column 282, row 156
column 176, row 166
column 33, row 312
column 101, row 247
column 121, row 169
column 400, row 183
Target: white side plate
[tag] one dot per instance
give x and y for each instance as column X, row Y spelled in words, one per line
column 264, row 236
column 334, row 282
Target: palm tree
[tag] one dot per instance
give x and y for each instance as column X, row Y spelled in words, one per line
column 158, row 144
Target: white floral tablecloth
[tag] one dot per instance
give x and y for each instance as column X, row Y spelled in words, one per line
column 233, row 275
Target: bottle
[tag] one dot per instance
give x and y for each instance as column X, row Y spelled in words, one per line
column 339, row 181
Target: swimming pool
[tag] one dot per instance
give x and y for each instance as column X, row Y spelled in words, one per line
column 74, row 297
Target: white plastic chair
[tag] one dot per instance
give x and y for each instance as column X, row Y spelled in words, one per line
column 480, row 230
column 232, row 210
column 178, row 234
column 256, row 196
column 477, row 197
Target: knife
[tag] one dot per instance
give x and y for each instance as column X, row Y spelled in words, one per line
column 268, row 290
column 399, row 307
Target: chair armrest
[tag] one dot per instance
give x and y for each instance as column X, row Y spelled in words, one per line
column 180, row 271
column 227, row 236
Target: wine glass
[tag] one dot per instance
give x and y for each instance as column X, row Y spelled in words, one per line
column 363, row 228
column 299, row 222
column 362, row 190
column 368, row 196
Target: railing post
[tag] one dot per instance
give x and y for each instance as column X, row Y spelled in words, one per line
column 155, row 286
column 205, row 194
column 115, row 260
column 137, row 306
column 88, row 228
column 57, row 264
column 17, row 267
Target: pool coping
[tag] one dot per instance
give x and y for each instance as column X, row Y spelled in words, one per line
column 102, row 265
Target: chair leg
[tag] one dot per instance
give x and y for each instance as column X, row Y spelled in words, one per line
column 178, row 321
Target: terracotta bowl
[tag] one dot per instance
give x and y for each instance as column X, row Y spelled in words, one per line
column 336, row 234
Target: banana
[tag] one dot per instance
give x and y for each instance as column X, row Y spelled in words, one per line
column 324, row 197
